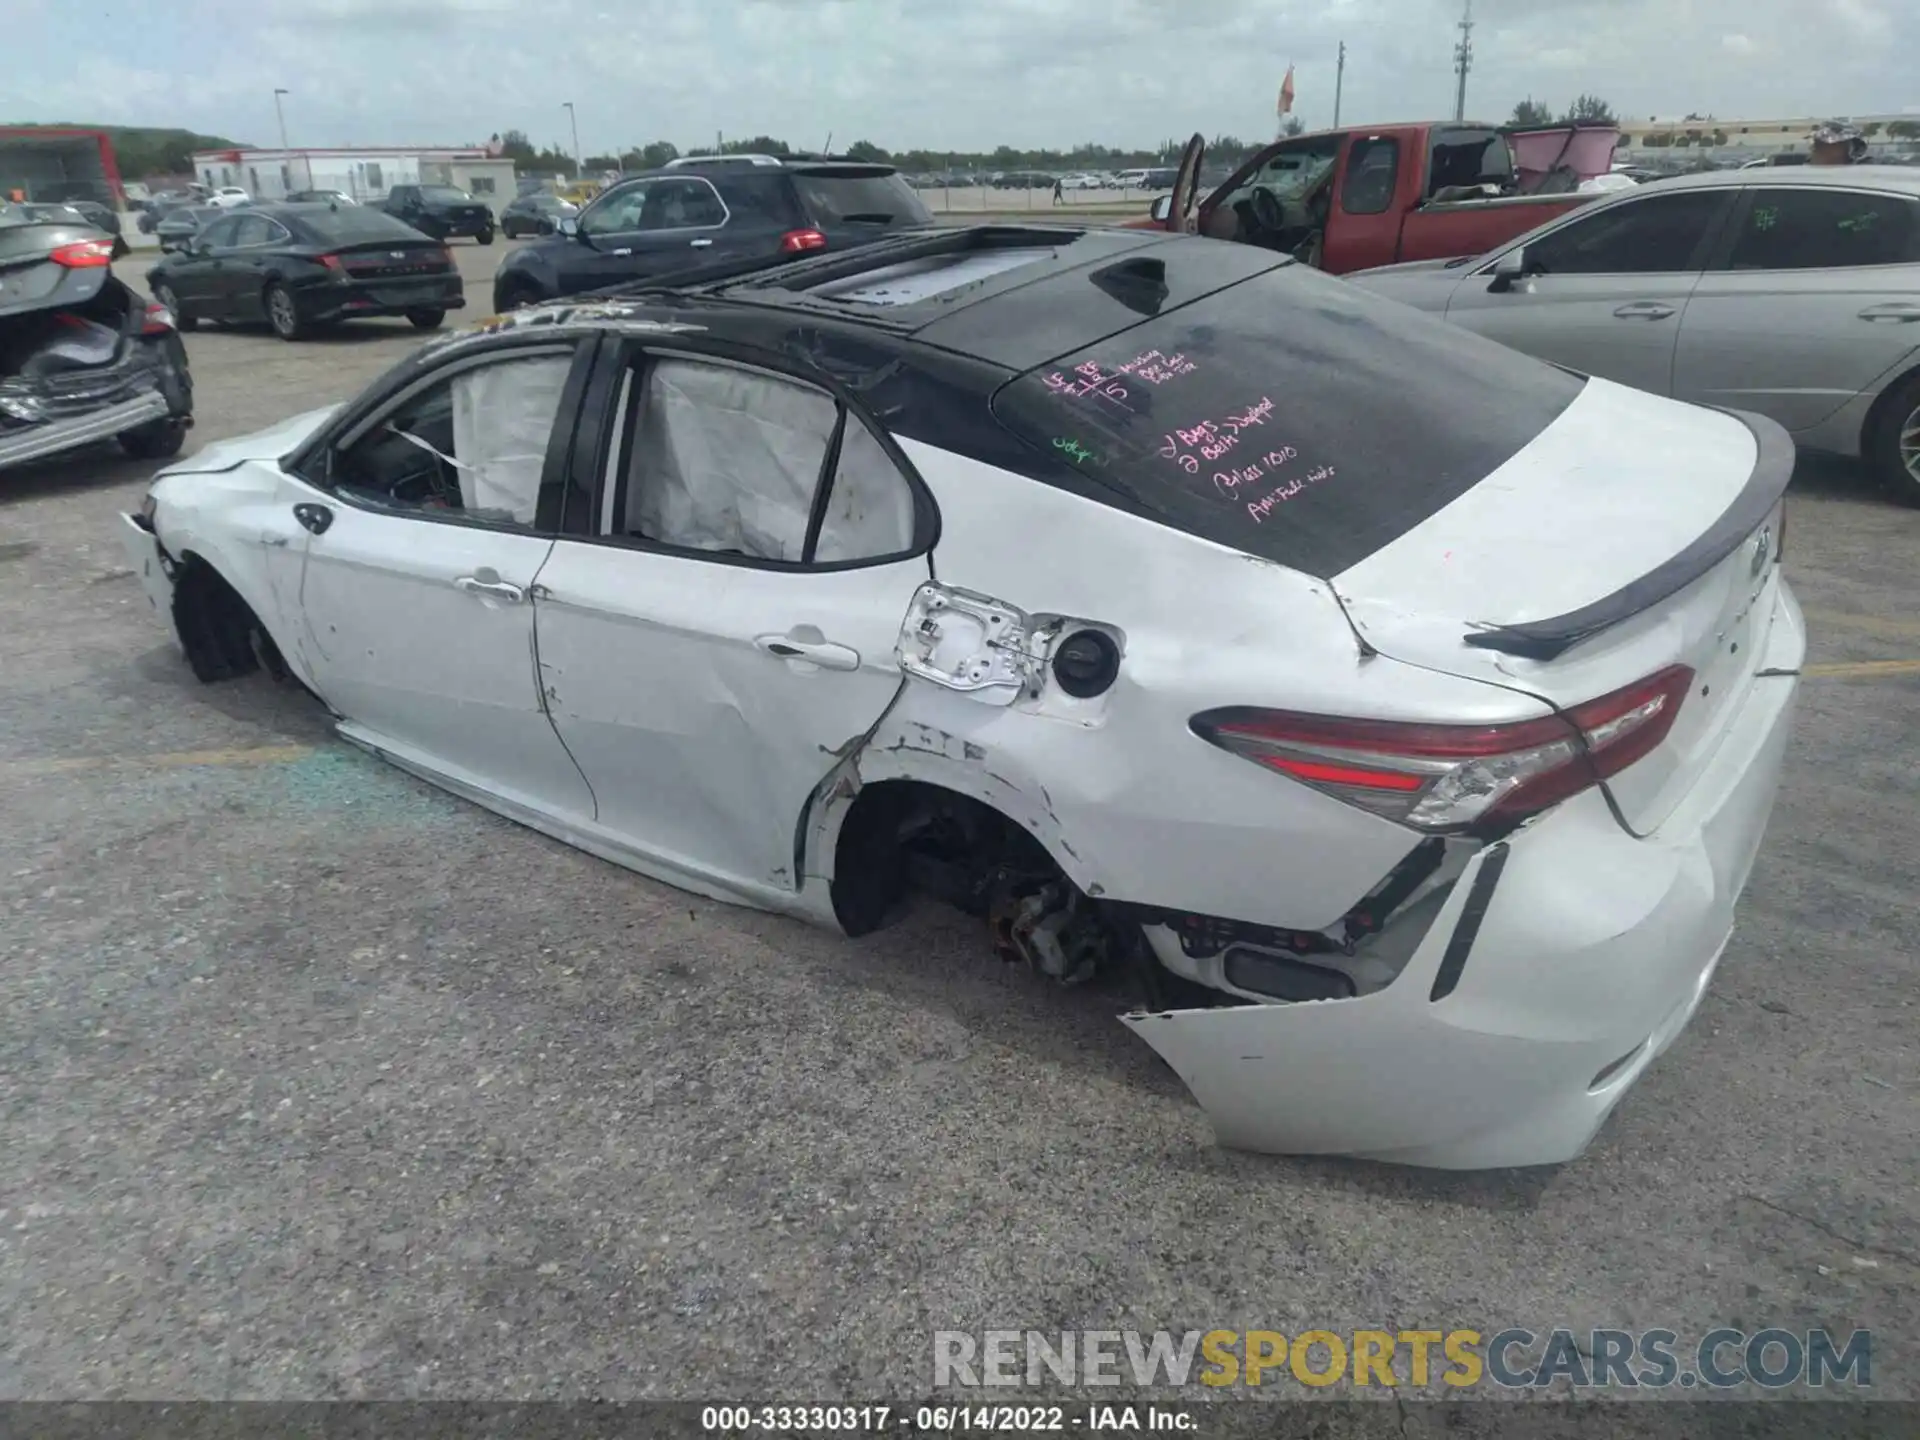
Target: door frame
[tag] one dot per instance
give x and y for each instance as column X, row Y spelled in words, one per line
column 1717, row 231
column 598, row 423
column 311, row 463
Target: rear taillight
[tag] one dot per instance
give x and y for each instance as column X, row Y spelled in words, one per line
column 446, row 256
column 797, row 242
column 1456, row 777
column 84, row 254
column 157, row 320
column 333, row 263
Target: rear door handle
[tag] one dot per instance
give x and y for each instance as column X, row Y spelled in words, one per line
column 700, row 244
column 492, row 586
column 1644, row 310
column 1894, row 310
column 824, row 653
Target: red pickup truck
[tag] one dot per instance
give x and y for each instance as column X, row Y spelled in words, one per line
column 1350, row 199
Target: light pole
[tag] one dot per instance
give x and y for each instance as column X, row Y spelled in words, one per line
column 578, row 158
column 1339, row 79
column 286, row 163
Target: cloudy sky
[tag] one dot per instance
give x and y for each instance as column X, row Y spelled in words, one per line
column 966, row 74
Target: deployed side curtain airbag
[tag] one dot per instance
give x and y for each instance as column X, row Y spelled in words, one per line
column 727, row 460
column 870, row 508
column 503, row 416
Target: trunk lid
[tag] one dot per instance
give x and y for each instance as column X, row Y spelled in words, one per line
column 1632, row 535
column 394, row 259
column 29, row 280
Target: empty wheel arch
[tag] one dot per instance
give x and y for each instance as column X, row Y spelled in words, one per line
column 899, row 838
column 219, row 631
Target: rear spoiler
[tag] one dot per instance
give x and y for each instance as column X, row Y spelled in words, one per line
column 1547, row 639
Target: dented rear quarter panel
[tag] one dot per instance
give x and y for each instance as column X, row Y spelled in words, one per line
column 1133, row 805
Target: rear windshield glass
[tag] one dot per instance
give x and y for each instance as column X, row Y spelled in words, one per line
column 349, row 223
column 1291, row 416
column 853, row 197
column 443, row 192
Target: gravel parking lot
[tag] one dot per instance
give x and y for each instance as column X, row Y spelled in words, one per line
column 320, row 1083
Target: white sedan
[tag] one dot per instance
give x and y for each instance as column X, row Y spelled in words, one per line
column 229, row 197
column 1401, row 716
column 1794, row 293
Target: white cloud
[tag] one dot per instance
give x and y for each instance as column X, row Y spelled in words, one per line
column 962, row 74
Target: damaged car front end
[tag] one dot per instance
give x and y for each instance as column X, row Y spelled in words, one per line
column 83, row 359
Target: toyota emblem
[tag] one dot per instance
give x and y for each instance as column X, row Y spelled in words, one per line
column 396, row 254
column 1762, row 550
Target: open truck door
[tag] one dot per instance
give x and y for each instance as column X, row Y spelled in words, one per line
column 1182, row 215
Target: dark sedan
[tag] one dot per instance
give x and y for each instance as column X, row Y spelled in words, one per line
column 299, row 267
column 178, row 226
column 535, row 215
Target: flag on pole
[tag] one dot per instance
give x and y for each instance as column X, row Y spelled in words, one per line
column 1286, row 93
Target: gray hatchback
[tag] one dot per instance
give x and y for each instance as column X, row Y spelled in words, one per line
column 1793, row 292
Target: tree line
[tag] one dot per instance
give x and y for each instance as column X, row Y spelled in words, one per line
column 552, row 160
column 1698, row 129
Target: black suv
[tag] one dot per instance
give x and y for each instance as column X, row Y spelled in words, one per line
column 440, row 211
column 711, row 210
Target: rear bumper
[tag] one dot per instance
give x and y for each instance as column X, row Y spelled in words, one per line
column 324, row 302
column 1593, row 953
column 452, row 225
column 36, row 442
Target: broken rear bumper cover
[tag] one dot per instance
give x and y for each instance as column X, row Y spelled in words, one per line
column 150, row 383
column 1509, row 1044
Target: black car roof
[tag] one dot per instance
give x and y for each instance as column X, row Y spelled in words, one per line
column 1059, row 289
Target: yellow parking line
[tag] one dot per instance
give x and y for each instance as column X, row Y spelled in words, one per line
column 1861, row 669
column 175, row 760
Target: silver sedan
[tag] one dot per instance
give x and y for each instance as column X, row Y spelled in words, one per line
column 1791, row 292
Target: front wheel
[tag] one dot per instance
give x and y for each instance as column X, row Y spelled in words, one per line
column 158, row 441
column 426, row 319
column 163, row 295
column 516, row 296
column 1894, row 451
column 283, row 314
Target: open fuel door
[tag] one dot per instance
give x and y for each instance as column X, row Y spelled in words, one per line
column 967, row 642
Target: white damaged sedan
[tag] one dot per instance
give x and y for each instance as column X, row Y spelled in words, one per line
column 1400, row 714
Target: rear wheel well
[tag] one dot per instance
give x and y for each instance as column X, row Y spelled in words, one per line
column 222, row 636
column 1882, row 408
column 906, row 837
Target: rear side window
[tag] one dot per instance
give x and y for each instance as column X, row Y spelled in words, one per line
column 1826, row 229
column 1291, row 416
column 836, row 197
column 1372, row 167
column 1650, row 235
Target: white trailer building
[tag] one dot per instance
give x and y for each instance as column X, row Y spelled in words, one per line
column 366, row 173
